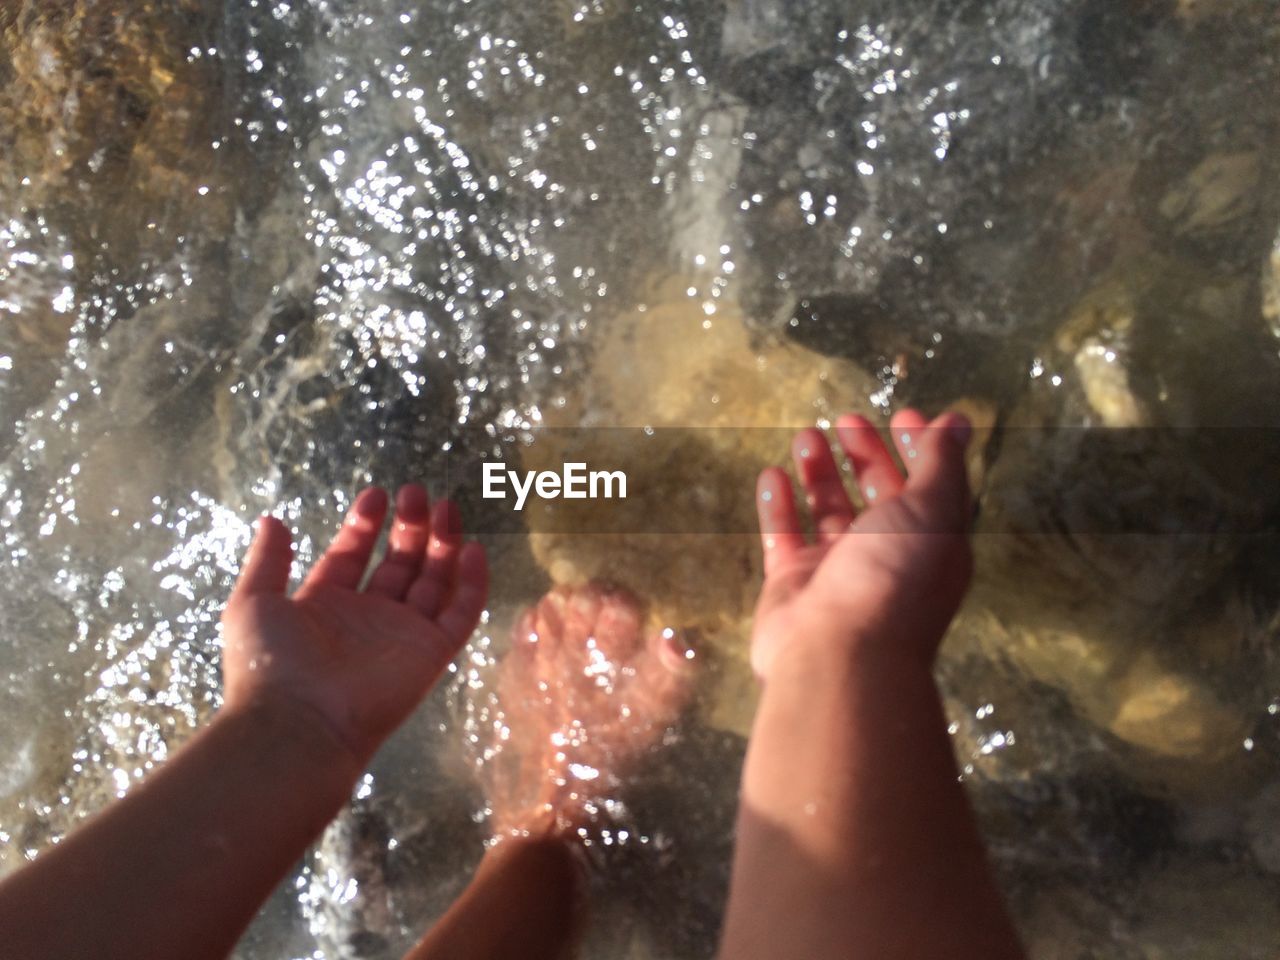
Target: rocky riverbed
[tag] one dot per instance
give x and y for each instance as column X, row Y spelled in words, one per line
column 255, row 254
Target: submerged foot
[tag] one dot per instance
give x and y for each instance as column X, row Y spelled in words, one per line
column 583, row 691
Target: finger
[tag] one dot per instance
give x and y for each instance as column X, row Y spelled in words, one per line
column 462, row 612
column 779, row 525
column 344, row 563
column 266, row 569
column 878, row 476
column 823, row 486
column 406, row 546
column 908, row 429
column 939, row 472
column 431, row 590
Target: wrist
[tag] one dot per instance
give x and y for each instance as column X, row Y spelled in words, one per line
column 301, row 741
column 836, row 651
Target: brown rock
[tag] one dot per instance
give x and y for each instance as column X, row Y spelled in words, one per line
column 744, row 399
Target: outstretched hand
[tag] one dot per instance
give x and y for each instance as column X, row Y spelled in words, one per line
column 892, row 575
column 359, row 660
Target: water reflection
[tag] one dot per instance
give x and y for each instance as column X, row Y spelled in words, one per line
column 254, row 254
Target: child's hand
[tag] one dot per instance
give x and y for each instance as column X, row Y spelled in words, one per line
column 894, row 576
column 358, row 661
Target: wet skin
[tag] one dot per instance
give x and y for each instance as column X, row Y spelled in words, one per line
column 314, row 682
column 584, row 689
column 854, row 836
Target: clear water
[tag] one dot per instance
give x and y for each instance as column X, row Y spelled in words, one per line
column 255, row 254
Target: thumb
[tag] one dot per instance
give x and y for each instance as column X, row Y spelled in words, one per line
column 266, row 569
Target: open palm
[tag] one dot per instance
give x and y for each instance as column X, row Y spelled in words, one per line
column 359, row 659
column 900, row 567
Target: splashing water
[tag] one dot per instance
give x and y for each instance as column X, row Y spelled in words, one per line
column 257, row 253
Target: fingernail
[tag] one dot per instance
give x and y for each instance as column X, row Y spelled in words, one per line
column 960, row 429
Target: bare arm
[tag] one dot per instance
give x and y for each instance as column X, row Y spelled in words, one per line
column 853, row 817
column 313, row 684
column 855, row 838
column 180, row 867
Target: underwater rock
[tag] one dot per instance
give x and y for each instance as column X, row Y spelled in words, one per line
column 1260, row 828
column 85, row 85
column 128, row 132
column 895, row 173
column 1157, row 705
column 1101, row 478
column 1169, row 344
column 917, row 364
column 1217, row 191
column 55, row 106
column 1209, row 208
column 1224, row 15
column 1176, row 177
column 575, row 13
column 347, row 901
column 1202, row 910
column 1271, row 289
column 1006, row 723
column 136, row 163
column 1187, row 909
column 401, row 851
column 1095, row 864
column 1117, row 41
column 1129, row 660
column 721, row 408
column 1193, row 9
column 1205, row 186
column 1175, row 716
column 741, row 400
column 752, row 27
column 1106, row 386
column 1096, row 340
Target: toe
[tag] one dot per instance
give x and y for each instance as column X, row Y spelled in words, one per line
column 673, row 650
column 618, row 625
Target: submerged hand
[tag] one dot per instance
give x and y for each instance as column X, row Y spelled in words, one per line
column 358, row 660
column 893, row 574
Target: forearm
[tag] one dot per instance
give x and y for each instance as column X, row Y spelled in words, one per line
column 180, row 867
column 853, row 813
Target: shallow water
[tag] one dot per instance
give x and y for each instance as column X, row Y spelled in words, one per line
column 255, row 254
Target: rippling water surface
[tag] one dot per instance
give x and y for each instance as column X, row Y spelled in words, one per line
column 255, row 254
